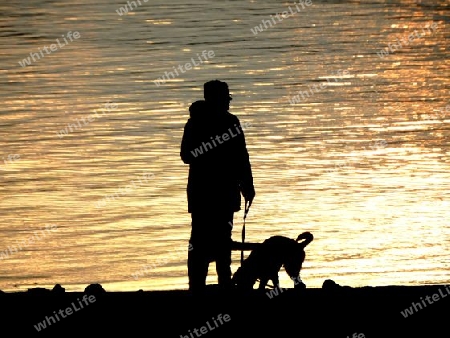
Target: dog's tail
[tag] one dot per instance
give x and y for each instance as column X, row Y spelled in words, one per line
column 307, row 237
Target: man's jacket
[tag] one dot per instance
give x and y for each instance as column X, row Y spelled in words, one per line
column 214, row 146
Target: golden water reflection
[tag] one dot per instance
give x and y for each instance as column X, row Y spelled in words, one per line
column 359, row 164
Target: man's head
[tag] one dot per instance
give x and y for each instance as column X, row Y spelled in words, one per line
column 216, row 93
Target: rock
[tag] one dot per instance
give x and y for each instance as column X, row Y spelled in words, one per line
column 58, row 289
column 94, row 289
column 38, row 291
column 330, row 284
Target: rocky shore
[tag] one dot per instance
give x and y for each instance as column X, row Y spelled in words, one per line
column 330, row 311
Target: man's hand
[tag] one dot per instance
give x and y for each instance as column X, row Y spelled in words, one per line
column 249, row 195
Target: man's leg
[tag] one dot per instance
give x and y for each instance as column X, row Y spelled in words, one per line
column 197, row 269
column 223, row 253
column 198, row 260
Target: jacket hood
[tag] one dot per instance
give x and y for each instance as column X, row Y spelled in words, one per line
column 198, row 109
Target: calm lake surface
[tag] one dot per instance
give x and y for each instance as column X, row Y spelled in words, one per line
column 361, row 160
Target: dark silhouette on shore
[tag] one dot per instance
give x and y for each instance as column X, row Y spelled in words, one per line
column 214, row 146
column 340, row 311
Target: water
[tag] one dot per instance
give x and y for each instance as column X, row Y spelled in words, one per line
column 361, row 162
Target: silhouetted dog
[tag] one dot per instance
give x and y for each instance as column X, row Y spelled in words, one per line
column 267, row 258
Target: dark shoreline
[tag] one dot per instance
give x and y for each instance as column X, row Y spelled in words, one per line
column 334, row 311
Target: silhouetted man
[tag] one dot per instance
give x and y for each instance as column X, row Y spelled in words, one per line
column 214, row 146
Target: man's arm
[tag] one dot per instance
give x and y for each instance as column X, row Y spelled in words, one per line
column 246, row 175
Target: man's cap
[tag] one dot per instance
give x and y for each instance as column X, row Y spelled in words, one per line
column 216, row 90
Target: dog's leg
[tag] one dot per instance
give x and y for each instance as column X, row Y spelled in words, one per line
column 263, row 283
column 275, row 281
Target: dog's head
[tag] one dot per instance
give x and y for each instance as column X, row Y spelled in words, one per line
column 242, row 280
column 294, row 263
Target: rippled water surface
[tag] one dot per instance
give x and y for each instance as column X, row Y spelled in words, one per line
column 361, row 160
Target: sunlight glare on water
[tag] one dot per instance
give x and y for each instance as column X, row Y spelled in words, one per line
column 359, row 158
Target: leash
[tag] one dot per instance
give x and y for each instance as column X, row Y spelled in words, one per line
column 243, row 231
